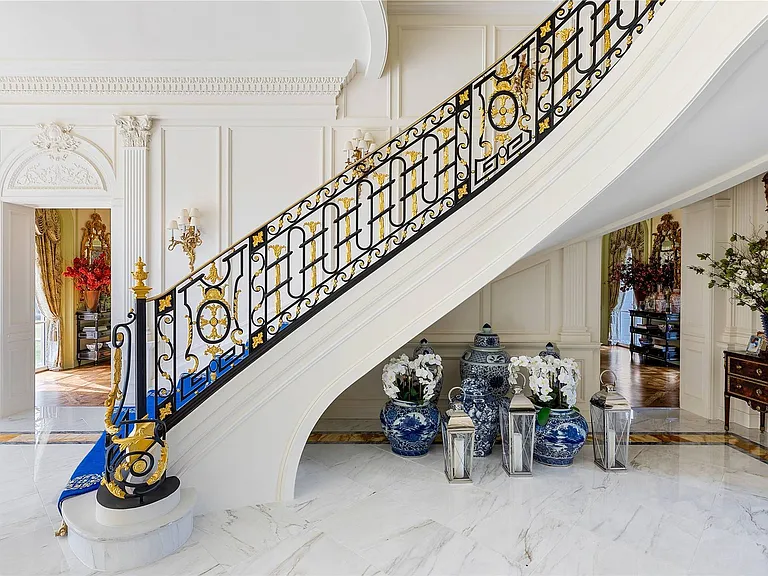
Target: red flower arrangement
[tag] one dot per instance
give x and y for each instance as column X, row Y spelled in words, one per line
column 90, row 276
column 643, row 277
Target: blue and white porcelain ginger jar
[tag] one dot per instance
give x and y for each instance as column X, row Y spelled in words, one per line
column 560, row 439
column 410, row 428
column 482, row 405
column 487, row 359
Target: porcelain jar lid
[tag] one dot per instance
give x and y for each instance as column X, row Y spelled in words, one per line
column 424, row 347
column 486, row 338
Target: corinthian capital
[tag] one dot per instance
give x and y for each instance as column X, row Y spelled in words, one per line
column 135, row 130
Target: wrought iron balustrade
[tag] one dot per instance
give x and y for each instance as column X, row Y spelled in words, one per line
column 234, row 308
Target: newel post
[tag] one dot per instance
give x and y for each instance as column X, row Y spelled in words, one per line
column 141, row 290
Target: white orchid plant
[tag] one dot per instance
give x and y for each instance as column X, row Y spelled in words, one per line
column 553, row 381
column 412, row 380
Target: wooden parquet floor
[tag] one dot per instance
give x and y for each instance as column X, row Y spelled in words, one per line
column 86, row 386
column 644, row 385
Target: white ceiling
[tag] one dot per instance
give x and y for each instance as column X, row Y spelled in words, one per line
column 725, row 133
column 256, row 31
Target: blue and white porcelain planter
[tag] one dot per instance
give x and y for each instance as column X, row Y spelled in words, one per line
column 482, row 406
column 560, row 439
column 410, row 428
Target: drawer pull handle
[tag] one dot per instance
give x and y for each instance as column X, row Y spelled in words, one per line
column 738, row 386
column 759, row 392
column 738, row 366
column 759, row 371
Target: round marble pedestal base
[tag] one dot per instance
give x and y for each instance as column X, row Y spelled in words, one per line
column 116, row 548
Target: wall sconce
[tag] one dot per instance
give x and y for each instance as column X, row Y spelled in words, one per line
column 358, row 148
column 189, row 238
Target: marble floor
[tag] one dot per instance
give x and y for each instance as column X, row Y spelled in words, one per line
column 359, row 509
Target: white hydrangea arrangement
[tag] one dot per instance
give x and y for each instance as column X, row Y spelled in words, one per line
column 553, row 381
column 412, row 380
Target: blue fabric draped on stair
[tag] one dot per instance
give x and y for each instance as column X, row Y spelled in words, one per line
column 87, row 476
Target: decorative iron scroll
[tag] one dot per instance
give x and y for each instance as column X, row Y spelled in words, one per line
column 233, row 309
column 136, row 451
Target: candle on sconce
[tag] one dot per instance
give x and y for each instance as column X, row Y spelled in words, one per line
column 184, row 215
column 173, row 225
column 193, row 221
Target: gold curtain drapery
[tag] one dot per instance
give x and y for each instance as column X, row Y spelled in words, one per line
column 632, row 237
column 48, row 280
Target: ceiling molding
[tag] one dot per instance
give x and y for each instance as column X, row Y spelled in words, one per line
column 378, row 32
column 176, row 85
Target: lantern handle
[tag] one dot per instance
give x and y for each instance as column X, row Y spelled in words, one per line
column 610, row 386
column 517, row 388
column 460, row 389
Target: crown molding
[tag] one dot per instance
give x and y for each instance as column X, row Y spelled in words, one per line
column 162, row 80
column 535, row 9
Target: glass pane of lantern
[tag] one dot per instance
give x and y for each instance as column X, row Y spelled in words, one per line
column 522, row 442
column 505, row 445
column 617, row 439
column 598, row 434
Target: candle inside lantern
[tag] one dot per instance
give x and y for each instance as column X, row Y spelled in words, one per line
column 610, row 441
column 458, row 457
column 517, row 452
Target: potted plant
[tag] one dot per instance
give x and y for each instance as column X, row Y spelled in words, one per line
column 90, row 278
column 410, row 419
column 560, row 429
column 743, row 270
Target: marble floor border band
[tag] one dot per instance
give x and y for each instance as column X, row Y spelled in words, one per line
column 735, row 441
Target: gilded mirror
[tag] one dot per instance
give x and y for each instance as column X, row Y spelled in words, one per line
column 666, row 243
column 95, row 239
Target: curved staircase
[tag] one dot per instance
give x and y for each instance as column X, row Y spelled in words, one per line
column 251, row 348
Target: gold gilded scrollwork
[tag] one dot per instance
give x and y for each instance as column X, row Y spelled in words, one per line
column 346, row 203
column 380, row 178
column 312, row 227
column 413, row 156
column 564, row 35
column 446, row 133
column 277, row 249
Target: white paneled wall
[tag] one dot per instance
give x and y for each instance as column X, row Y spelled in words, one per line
column 525, row 307
column 240, row 160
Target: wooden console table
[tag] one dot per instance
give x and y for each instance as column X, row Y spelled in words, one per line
column 746, row 377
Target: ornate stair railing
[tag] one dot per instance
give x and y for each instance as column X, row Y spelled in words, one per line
column 229, row 312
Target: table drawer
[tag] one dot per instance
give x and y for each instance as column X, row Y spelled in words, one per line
column 747, row 369
column 748, row 389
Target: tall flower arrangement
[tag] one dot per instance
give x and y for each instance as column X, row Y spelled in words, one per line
column 743, row 269
column 553, row 381
column 643, row 277
column 90, row 276
column 412, row 380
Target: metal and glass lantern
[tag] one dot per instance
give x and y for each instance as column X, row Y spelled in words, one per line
column 458, row 441
column 518, row 422
column 611, row 417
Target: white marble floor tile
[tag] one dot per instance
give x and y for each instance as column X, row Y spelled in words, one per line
column 22, row 515
column 320, row 495
column 311, row 553
column 585, row 554
column 32, row 553
column 234, row 536
column 431, row 548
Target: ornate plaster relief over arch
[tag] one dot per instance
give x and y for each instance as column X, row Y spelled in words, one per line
column 58, row 169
